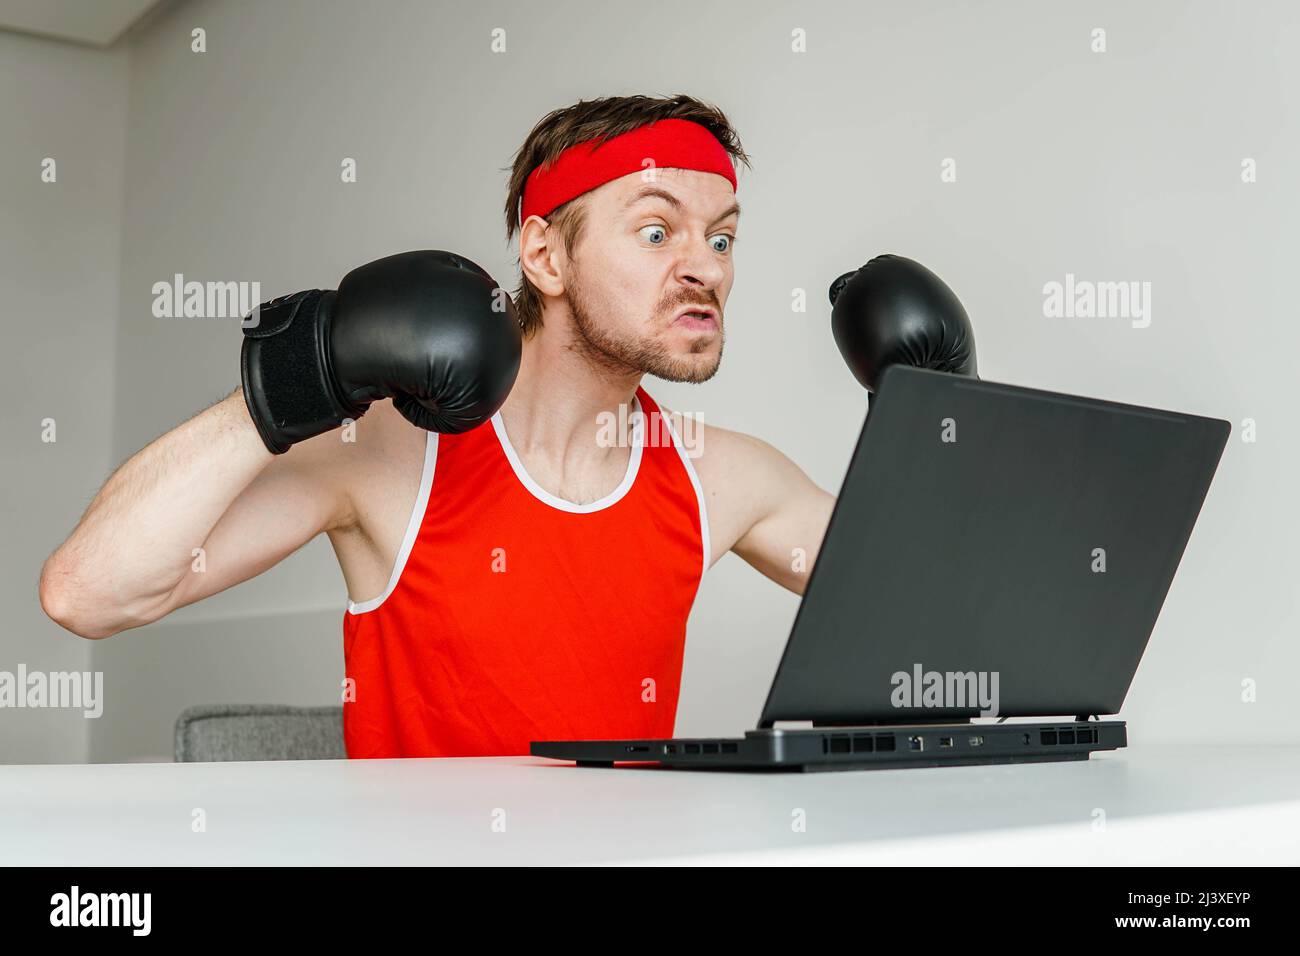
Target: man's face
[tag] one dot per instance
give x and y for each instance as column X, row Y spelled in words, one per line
column 652, row 271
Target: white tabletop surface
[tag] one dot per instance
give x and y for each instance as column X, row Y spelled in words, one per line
column 1141, row 805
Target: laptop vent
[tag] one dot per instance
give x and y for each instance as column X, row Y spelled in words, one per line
column 833, row 744
column 703, row 747
column 1067, row 736
column 857, row 743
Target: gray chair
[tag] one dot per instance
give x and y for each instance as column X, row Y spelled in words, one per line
column 259, row 732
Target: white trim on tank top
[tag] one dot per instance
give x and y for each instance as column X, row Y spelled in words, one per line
column 699, row 491
column 426, row 486
column 544, row 496
column 412, row 527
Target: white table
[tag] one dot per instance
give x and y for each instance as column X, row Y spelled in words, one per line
column 1160, row 805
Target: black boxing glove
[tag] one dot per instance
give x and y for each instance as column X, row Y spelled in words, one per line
column 894, row 311
column 430, row 330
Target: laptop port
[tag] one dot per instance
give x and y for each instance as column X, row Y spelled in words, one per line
column 710, row 748
column 638, row 749
column 945, row 741
column 916, row 743
column 670, row 748
column 976, row 741
column 839, row 745
column 730, row 749
column 692, row 748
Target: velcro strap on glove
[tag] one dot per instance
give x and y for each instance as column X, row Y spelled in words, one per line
column 289, row 385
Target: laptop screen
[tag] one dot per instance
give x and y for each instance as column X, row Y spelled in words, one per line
column 994, row 550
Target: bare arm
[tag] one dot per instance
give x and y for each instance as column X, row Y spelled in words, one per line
column 762, row 506
column 209, row 483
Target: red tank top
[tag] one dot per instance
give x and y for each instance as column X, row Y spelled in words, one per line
column 513, row 615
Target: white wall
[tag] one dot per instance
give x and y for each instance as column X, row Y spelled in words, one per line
column 1116, row 166
column 59, row 251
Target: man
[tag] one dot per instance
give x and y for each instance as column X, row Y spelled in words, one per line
column 516, row 569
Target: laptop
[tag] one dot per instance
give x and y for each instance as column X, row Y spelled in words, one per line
column 993, row 569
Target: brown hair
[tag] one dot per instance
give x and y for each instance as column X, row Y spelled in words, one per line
column 599, row 119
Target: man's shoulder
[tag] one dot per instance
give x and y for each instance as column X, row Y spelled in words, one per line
column 722, row 455
column 729, row 447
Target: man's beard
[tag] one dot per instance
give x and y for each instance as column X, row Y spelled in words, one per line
column 634, row 356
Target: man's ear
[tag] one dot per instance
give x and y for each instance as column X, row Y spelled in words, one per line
column 539, row 256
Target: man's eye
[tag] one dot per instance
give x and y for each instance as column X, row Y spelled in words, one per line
column 726, row 243
column 648, row 231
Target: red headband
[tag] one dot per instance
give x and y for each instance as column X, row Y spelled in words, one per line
column 668, row 143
